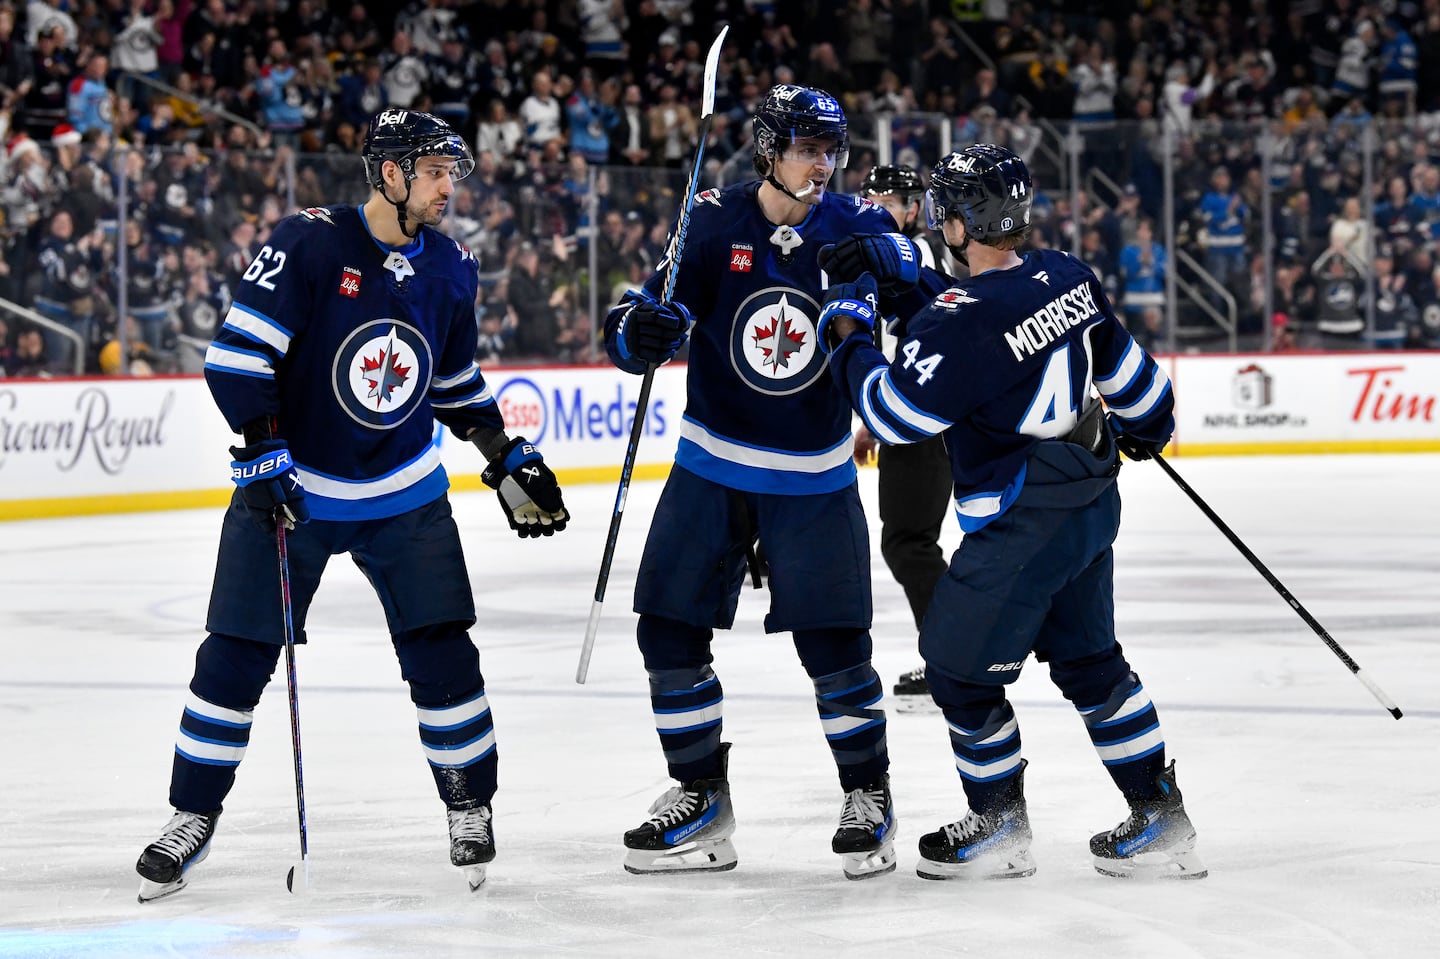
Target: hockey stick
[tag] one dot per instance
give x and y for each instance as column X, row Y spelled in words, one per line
column 294, row 694
column 672, row 260
column 1285, row 594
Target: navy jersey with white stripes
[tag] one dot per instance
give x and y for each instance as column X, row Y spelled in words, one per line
column 761, row 413
column 357, row 349
column 999, row 362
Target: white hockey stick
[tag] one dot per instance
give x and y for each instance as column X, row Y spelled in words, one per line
column 672, row 261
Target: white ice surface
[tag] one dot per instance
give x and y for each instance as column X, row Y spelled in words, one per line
column 1318, row 814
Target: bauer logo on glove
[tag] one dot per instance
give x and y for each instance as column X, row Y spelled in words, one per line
column 527, row 490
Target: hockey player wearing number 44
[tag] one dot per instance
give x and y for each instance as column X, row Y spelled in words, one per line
column 1004, row 367
column 764, row 448
column 352, row 333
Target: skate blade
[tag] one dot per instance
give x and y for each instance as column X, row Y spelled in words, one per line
column 474, row 876
column 150, row 891
column 1013, row 865
column 706, row 856
column 1173, row 864
column 877, row 862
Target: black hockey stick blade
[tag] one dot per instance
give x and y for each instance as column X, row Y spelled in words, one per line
column 1279, row 587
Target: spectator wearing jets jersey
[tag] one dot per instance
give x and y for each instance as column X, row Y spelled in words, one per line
column 352, row 334
column 1005, row 373
column 764, row 448
column 915, row 485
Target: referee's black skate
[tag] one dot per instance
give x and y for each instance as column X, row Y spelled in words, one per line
column 184, row 842
column 472, row 842
column 689, row 828
column 866, row 836
column 990, row 845
column 912, row 692
column 1156, row 841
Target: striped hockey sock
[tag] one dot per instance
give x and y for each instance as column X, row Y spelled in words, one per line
column 1126, row 732
column 854, row 724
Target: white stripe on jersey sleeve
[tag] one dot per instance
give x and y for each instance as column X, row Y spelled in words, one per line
column 459, row 379
column 1124, row 373
column 238, row 361
column 259, row 327
column 406, row 476
column 1146, row 403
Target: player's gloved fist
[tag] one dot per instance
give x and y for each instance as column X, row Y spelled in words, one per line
column 848, row 307
column 1132, row 446
column 527, row 490
column 652, row 331
column 266, row 476
column 891, row 257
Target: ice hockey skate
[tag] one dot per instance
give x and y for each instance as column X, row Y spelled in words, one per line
column 1156, row 841
column 472, row 842
column 866, row 837
column 689, row 829
column 164, row 864
column 990, row 845
column 912, row 692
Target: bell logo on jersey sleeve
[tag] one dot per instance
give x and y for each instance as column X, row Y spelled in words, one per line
column 773, row 344
column 742, row 257
column 382, row 372
column 350, row 282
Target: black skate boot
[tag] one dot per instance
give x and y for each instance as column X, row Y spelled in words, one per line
column 912, row 692
column 472, row 842
column 184, row 842
column 866, row 837
column 689, row 828
column 1156, row 841
column 990, row 845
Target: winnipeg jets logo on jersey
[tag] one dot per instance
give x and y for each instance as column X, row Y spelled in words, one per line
column 773, row 343
column 1043, row 277
column 381, row 373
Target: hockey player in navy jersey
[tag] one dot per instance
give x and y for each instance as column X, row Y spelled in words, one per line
column 1005, row 366
column 352, row 332
column 765, row 448
column 915, row 484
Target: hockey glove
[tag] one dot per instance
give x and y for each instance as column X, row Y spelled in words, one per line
column 652, row 332
column 266, row 476
column 891, row 257
column 527, row 490
column 848, row 306
column 1133, row 446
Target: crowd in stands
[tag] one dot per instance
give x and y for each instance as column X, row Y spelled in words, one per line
column 233, row 113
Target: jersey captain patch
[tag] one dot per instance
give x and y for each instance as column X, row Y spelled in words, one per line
column 773, row 343
column 382, row 372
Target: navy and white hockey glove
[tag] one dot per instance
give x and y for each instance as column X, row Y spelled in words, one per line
column 1133, row 446
column 848, row 306
column 266, row 476
column 652, row 332
column 891, row 257
column 527, row 490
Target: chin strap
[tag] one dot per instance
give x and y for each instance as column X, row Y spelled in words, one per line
column 958, row 252
column 401, row 215
column 770, row 179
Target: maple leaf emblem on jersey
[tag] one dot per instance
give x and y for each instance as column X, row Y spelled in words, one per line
column 778, row 340
column 384, row 374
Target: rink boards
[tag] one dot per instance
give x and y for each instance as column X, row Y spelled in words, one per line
column 100, row 445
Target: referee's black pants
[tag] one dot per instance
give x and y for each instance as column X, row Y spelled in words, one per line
column 916, row 490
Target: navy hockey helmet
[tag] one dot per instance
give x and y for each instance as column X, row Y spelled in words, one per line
column 987, row 186
column 789, row 113
column 885, row 179
column 404, row 136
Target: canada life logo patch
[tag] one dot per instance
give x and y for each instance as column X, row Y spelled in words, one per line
column 381, row 373
column 742, row 257
column 772, row 341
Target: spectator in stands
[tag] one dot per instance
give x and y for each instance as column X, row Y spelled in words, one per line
column 1224, row 217
column 672, row 128
column 535, row 299
column 541, row 112
column 89, row 102
column 985, row 92
column 1338, row 284
column 402, row 71
column 69, row 266
column 1351, row 233
column 630, row 142
column 30, row 359
column 136, row 45
column 454, row 78
column 51, row 68
column 1397, row 319
column 1142, row 275
column 1352, row 74
column 591, row 115
column 1178, row 97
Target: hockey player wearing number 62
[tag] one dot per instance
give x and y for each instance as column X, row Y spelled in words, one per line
column 764, row 448
column 352, row 333
column 1005, row 367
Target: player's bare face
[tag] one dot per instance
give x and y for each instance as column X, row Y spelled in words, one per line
column 805, row 167
column 431, row 189
column 894, row 205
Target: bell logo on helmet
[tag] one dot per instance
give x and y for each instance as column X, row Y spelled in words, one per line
column 959, row 163
column 391, row 118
